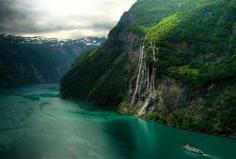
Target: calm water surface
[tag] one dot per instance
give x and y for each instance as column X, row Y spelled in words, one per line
column 36, row 124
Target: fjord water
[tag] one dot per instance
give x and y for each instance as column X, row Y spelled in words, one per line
column 36, row 124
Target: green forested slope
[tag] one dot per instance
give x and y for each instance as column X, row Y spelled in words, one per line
column 198, row 48
column 195, row 43
column 103, row 75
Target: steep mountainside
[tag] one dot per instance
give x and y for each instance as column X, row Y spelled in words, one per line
column 38, row 60
column 172, row 61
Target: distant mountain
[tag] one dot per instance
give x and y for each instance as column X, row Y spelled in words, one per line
column 172, row 61
column 26, row 60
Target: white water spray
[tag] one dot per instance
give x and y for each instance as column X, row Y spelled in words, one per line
column 141, row 56
column 150, row 83
column 211, row 156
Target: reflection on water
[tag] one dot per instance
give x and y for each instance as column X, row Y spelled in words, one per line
column 36, row 124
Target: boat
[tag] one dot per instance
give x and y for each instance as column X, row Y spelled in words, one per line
column 193, row 149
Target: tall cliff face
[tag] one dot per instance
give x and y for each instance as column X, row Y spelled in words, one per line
column 28, row 60
column 171, row 61
column 191, row 55
column 105, row 74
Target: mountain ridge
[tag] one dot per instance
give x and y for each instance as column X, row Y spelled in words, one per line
column 170, row 61
column 29, row 60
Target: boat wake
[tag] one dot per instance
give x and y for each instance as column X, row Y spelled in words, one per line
column 198, row 151
column 211, row 156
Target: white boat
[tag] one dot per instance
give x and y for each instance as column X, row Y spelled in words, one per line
column 193, row 149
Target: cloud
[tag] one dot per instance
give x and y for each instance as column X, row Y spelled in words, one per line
column 61, row 18
column 12, row 16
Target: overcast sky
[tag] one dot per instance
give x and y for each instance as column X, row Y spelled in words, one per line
column 61, row 18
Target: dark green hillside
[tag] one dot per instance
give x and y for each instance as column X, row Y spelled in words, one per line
column 186, row 77
column 106, row 72
column 147, row 13
column 94, row 75
column 38, row 60
column 198, row 48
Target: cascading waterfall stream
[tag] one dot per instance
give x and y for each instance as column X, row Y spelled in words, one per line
column 145, row 82
column 141, row 56
column 150, row 83
column 153, row 76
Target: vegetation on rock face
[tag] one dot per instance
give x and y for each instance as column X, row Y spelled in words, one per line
column 108, row 70
column 196, row 43
column 197, row 47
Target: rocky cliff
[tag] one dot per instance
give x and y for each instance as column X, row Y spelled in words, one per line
column 170, row 61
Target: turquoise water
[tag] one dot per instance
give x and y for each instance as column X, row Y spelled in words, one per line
column 36, row 124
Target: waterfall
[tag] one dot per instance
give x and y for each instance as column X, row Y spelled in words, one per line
column 145, row 105
column 145, row 82
column 150, row 83
column 140, row 64
column 148, row 76
column 153, row 75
